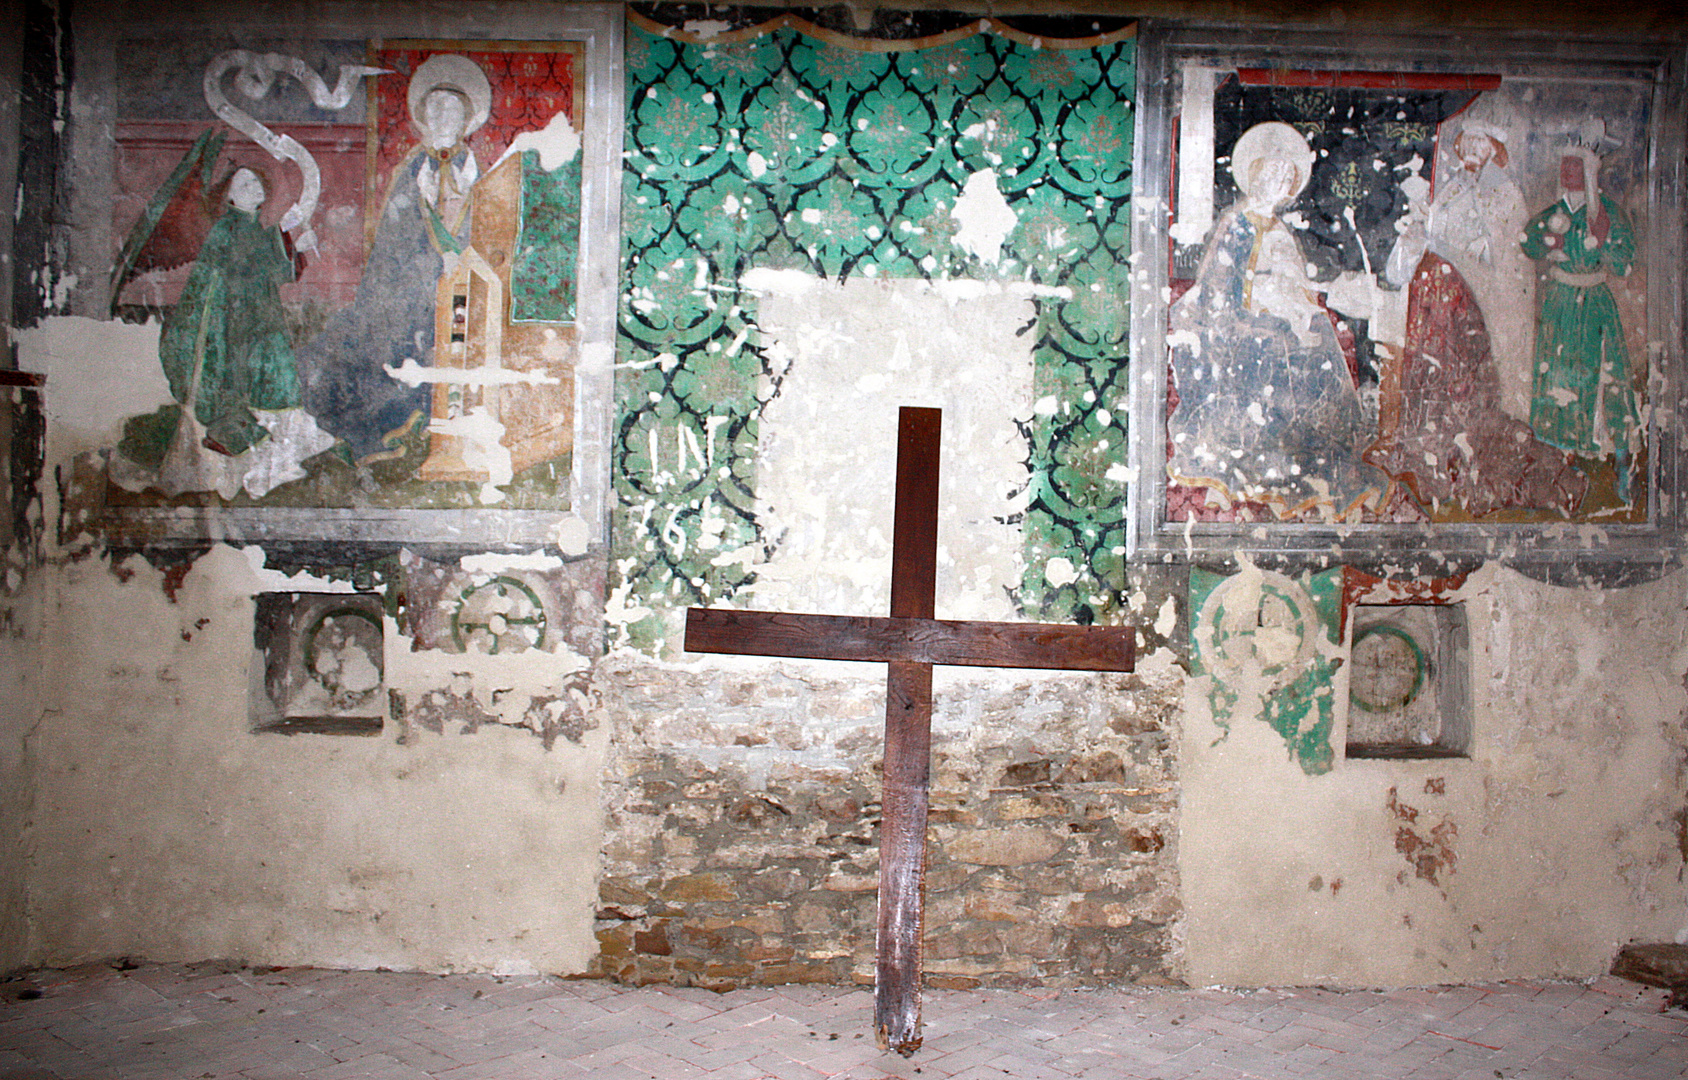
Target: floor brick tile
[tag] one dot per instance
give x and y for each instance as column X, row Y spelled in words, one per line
column 181, row 1022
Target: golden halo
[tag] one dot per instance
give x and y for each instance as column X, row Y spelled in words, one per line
column 1272, row 139
column 451, row 72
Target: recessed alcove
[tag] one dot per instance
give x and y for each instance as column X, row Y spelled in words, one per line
column 1409, row 682
column 318, row 664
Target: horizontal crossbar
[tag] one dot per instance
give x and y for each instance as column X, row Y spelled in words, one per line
column 928, row 641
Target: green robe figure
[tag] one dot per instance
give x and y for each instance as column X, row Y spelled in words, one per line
column 1582, row 399
column 225, row 346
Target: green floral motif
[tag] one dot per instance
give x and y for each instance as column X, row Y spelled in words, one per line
column 645, row 216
column 673, row 298
column 836, row 68
column 953, row 70
column 750, row 61
column 925, row 231
column 788, row 152
column 686, row 123
column 891, row 132
column 1099, row 313
column 1097, row 138
column 1052, row 233
column 647, row 56
column 1072, row 73
column 786, row 125
column 998, row 132
column 726, row 218
column 835, row 223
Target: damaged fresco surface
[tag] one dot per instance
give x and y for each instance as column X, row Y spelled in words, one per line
column 813, row 228
column 976, row 157
column 1408, row 300
column 1510, row 857
column 1269, row 645
column 364, row 257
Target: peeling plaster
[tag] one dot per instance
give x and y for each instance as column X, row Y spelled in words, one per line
column 1515, row 861
column 166, row 828
column 266, row 580
column 99, row 373
column 983, row 218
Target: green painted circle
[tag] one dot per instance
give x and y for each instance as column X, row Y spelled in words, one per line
column 1375, row 702
column 465, row 623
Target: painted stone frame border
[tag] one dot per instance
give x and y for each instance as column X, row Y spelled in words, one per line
column 598, row 28
column 1165, row 259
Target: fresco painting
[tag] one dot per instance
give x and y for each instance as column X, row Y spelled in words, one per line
column 1264, row 648
column 364, row 262
column 1407, row 298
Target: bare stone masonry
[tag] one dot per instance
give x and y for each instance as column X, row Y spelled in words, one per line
column 742, row 814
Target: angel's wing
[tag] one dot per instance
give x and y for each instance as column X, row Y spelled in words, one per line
column 172, row 228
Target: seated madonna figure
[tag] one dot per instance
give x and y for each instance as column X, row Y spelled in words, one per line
column 1267, row 411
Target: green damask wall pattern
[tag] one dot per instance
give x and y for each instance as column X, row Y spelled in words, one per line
column 784, row 151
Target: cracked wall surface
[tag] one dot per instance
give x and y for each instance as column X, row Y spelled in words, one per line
column 813, row 233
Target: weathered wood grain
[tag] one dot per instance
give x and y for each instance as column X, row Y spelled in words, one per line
column 914, row 523
column 902, row 856
column 926, row 641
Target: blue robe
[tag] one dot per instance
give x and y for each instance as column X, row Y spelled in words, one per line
column 1266, row 409
column 390, row 319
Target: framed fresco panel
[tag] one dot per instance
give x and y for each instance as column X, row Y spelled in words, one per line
column 1413, row 294
column 380, row 252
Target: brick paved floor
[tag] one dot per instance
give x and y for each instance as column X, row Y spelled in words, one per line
column 203, row 1021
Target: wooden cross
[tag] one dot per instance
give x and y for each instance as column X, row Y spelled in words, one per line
column 910, row 642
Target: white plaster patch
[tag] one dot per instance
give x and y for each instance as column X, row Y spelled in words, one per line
column 267, row 580
column 792, row 284
column 482, row 448
column 557, row 143
column 1167, row 618
column 827, row 470
column 1059, row 571
column 413, row 374
column 574, row 536
column 983, row 217
column 496, row 562
column 99, row 373
column 704, row 29
column 504, row 684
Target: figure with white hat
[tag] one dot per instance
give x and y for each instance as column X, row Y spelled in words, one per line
column 1448, row 434
column 1582, row 399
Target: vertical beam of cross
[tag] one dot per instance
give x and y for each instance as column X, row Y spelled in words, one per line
column 908, row 738
column 909, row 642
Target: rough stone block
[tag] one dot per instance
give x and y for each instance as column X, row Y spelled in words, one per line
column 1022, row 808
column 653, row 942
column 1103, row 768
column 1663, row 965
column 1026, row 773
column 695, row 887
column 842, row 882
column 615, row 941
column 1016, row 846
